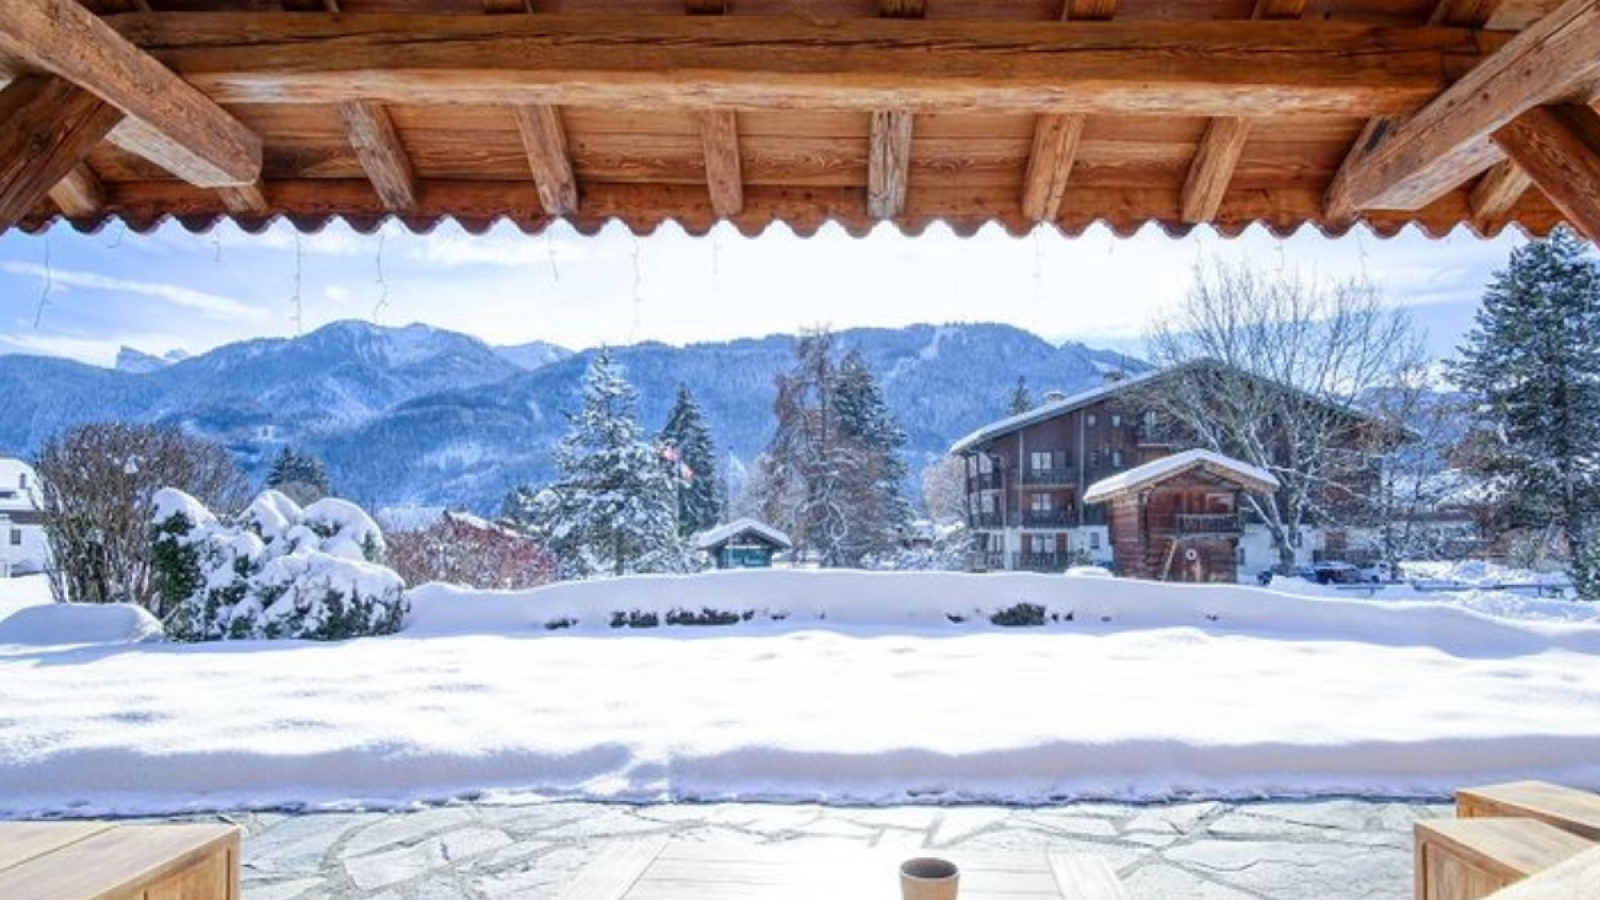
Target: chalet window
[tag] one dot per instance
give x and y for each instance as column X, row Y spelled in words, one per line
column 1094, row 540
column 972, row 465
column 1041, row 460
column 1116, row 420
column 985, row 464
column 22, row 481
column 16, row 537
column 1094, row 459
column 1091, row 420
column 1041, row 544
column 987, row 502
column 1041, row 502
column 1152, row 420
column 1116, row 457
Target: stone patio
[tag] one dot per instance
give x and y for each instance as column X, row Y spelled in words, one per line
column 1344, row 849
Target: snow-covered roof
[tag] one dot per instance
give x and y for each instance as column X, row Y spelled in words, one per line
column 19, row 485
column 721, row 534
column 1050, row 409
column 1166, row 467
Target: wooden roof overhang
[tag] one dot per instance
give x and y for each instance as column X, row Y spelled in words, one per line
column 1017, row 112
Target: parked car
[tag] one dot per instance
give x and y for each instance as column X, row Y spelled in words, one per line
column 1326, row 572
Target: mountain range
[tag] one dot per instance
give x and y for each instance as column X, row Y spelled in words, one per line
column 420, row 415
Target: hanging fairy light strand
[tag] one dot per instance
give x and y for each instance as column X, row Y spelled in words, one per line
column 550, row 253
column 299, row 312
column 49, row 283
column 638, row 297
column 383, row 283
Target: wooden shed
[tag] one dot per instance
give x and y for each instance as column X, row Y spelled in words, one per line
column 1178, row 518
column 742, row 544
column 1063, row 112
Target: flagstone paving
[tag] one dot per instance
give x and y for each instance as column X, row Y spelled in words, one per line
column 1350, row 849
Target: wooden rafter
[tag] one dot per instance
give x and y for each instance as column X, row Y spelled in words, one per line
column 1091, row 10
column 1498, row 191
column 380, row 152
column 719, row 135
column 1222, row 143
column 888, row 162
column 47, row 128
column 761, row 62
column 545, row 141
column 902, row 9
column 1559, row 148
column 171, row 123
column 1055, row 136
column 507, row 6
column 79, row 194
column 705, row 7
column 248, row 199
column 1408, row 165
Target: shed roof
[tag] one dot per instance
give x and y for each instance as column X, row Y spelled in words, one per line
column 1152, row 473
column 722, row 534
column 1067, row 112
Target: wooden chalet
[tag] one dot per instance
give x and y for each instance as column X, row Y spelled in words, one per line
column 1065, row 112
column 742, row 544
column 1178, row 518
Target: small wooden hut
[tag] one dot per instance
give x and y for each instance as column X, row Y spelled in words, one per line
column 1178, row 518
column 1061, row 112
column 742, row 544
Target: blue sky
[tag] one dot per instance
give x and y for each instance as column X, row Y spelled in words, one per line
column 82, row 296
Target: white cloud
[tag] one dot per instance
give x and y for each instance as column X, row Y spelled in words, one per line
column 177, row 295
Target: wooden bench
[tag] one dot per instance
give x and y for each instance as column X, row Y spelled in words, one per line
column 109, row 861
column 1466, row 859
column 1568, row 809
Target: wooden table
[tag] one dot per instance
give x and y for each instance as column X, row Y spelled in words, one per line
column 110, row 861
column 1566, row 808
column 689, row 871
column 1465, row 859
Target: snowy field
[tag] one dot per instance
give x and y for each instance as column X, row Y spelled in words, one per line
column 848, row 687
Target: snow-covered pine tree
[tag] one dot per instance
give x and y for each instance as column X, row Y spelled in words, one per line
column 614, row 510
column 877, row 510
column 299, row 476
column 1021, row 401
column 687, row 437
column 1531, row 366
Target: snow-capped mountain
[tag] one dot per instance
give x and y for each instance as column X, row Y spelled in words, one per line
column 138, row 362
column 422, row 415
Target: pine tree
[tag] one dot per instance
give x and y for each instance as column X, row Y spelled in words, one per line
column 1531, row 366
column 687, row 438
column 299, row 476
column 614, row 509
column 1021, row 401
column 875, row 482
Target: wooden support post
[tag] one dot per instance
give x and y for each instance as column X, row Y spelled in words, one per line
column 1411, row 164
column 79, row 195
column 1055, row 147
column 382, row 156
column 179, row 128
column 1559, row 148
column 47, row 127
column 719, row 135
column 888, row 163
column 545, row 141
column 1212, row 168
column 1498, row 191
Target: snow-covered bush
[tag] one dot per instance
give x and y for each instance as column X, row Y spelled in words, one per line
column 276, row 571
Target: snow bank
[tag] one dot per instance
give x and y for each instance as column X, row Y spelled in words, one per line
column 24, row 590
column 58, row 624
column 922, row 600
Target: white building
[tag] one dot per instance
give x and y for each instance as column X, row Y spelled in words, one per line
column 23, row 549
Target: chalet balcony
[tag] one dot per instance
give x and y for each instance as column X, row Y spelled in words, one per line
column 984, row 481
column 1055, row 518
column 1161, row 433
column 984, row 520
column 1041, row 562
column 1056, row 475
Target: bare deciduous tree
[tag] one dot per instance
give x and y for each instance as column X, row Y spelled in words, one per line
column 1270, row 368
column 98, row 480
column 944, row 489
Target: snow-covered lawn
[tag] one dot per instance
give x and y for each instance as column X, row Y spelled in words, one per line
column 1147, row 692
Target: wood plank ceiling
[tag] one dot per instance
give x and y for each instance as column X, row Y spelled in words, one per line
column 1017, row 112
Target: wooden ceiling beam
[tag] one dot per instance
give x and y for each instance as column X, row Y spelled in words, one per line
column 1055, row 148
column 1498, row 191
column 79, row 194
column 703, row 7
column 1088, row 10
column 1559, row 148
column 544, row 139
column 762, row 62
column 507, row 6
column 47, row 128
column 1410, row 164
column 888, row 162
column 382, row 156
column 245, row 200
column 719, row 136
column 179, row 128
column 1222, row 143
